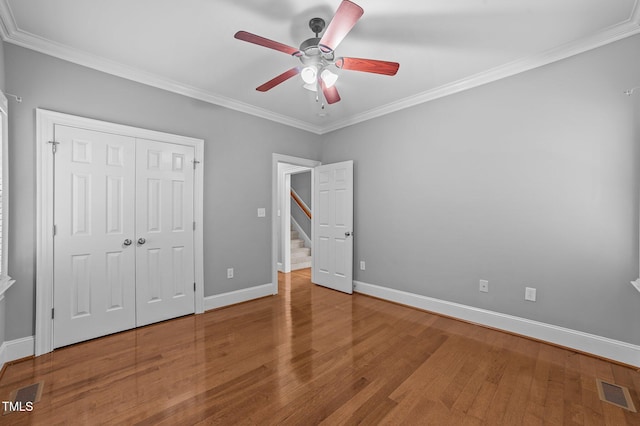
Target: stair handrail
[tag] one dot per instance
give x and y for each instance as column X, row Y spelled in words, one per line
column 300, row 203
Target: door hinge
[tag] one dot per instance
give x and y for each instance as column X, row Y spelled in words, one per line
column 55, row 230
column 194, row 286
column 54, row 146
column 195, row 162
column 194, row 225
column 52, row 313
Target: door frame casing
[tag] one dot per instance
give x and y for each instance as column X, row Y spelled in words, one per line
column 296, row 161
column 45, row 122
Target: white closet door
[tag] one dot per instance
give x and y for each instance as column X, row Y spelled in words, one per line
column 94, row 280
column 164, row 231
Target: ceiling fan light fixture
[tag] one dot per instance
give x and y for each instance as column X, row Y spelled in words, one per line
column 312, row 87
column 309, row 74
column 317, row 55
column 328, row 77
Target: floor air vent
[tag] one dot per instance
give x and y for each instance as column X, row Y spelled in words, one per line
column 616, row 395
column 23, row 399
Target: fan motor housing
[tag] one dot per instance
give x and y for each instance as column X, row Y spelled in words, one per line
column 310, row 44
column 313, row 54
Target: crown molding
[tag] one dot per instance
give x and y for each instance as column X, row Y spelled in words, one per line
column 10, row 33
column 617, row 32
column 48, row 47
column 7, row 21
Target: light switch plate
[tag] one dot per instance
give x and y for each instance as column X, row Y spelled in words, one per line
column 530, row 294
column 262, row 212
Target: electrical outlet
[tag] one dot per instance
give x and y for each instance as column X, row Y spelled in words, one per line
column 229, row 272
column 362, row 265
column 530, row 294
column 484, row 286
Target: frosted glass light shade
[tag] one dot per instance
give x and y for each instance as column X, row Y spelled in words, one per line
column 328, row 77
column 308, row 74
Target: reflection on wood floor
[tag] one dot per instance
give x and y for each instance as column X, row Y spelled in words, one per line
column 313, row 355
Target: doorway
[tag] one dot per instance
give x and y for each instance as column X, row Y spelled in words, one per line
column 301, row 213
column 331, row 227
column 283, row 167
column 295, row 213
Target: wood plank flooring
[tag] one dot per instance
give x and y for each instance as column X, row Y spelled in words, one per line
column 314, row 356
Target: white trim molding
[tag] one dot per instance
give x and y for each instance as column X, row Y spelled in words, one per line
column 614, row 33
column 584, row 342
column 16, row 349
column 45, row 122
column 5, row 283
column 5, row 280
column 12, row 34
column 238, row 296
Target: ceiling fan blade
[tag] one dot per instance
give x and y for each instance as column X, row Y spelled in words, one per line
column 330, row 93
column 261, row 41
column 345, row 18
column 368, row 65
column 279, row 79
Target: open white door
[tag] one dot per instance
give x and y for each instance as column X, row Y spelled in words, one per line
column 333, row 226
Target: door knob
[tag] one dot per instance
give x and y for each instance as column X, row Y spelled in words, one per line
column 141, row 241
column 348, row 234
column 127, row 242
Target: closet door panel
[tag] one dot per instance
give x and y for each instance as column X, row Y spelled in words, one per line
column 94, row 270
column 164, row 231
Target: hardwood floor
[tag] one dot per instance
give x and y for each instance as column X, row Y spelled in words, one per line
column 311, row 355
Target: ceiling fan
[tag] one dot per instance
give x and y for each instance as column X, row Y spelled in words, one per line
column 317, row 55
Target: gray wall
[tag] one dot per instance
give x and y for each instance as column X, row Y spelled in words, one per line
column 237, row 177
column 529, row 181
column 301, row 183
column 2, row 302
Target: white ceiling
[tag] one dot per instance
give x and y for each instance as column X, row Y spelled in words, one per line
column 187, row 46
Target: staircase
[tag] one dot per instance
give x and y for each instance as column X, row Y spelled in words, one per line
column 300, row 255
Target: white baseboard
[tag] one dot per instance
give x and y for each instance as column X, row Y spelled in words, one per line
column 16, row 349
column 584, row 342
column 238, row 296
